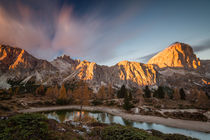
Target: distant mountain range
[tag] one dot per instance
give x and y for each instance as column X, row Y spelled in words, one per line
column 177, row 65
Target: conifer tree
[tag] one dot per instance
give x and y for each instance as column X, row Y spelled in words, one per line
column 147, row 92
column 82, row 95
column 176, row 94
column 62, row 93
column 40, row 90
column 110, row 92
column 49, row 92
column 182, row 94
column 56, row 91
column 159, row 93
column 127, row 105
column 121, row 93
column 101, row 93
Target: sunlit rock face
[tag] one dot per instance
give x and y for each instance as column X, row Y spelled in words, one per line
column 137, row 73
column 86, row 70
column 177, row 55
column 18, row 64
column 131, row 74
column 18, row 59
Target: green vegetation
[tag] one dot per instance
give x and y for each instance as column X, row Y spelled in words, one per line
column 121, row 93
column 97, row 102
column 182, row 94
column 24, row 127
column 168, row 92
column 159, row 93
column 38, row 127
column 170, row 136
column 119, row 132
column 147, row 92
column 127, row 101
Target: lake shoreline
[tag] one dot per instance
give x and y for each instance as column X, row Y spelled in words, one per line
column 177, row 123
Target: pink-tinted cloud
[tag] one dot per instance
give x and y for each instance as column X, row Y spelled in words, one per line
column 88, row 37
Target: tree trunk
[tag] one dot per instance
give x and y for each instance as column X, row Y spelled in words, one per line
column 80, row 114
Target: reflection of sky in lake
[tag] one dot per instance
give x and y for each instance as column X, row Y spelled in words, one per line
column 63, row 116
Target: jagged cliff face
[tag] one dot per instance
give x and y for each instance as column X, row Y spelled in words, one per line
column 16, row 59
column 131, row 74
column 177, row 55
column 138, row 73
column 18, row 63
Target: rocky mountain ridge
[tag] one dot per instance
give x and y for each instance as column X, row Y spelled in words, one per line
column 170, row 64
column 176, row 55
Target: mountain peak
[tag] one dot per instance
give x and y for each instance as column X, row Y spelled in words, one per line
column 176, row 55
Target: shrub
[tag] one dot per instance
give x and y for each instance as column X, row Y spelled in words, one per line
column 5, row 108
column 5, row 96
column 118, row 132
column 63, row 101
column 121, row 93
column 170, row 136
column 147, row 92
column 97, row 102
column 182, row 94
column 111, row 103
column 159, row 93
column 24, row 127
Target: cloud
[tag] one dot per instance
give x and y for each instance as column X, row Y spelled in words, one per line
column 46, row 31
column 146, row 58
column 205, row 45
column 21, row 33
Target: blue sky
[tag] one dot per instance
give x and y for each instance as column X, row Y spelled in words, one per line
column 106, row 31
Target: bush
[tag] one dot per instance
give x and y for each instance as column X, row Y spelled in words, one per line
column 118, row 132
column 24, row 127
column 5, row 96
column 96, row 102
column 121, row 93
column 182, row 94
column 170, row 136
column 63, row 101
column 111, row 103
column 147, row 92
column 159, row 93
column 5, row 108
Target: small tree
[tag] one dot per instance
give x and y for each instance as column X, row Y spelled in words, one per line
column 56, row 91
column 70, row 94
column 62, row 93
column 101, row 93
column 49, row 92
column 147, row 92
column 182, row 94
column 121, row 93
column 82, row 94
column 127, row 98
column 176, row 94
column 159, row 93
column 62, row 97
column 40, row 90
column 202, row 99
column 139, row 95
column 110, row 92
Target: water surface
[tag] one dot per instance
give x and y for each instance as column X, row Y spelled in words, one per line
column 66, row 115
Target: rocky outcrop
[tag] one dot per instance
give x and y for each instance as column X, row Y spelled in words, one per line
column 131, row 74
column 16, row 59
column 177, row 55
column 18, row 63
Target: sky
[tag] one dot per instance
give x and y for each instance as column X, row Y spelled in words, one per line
column 104, row 31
